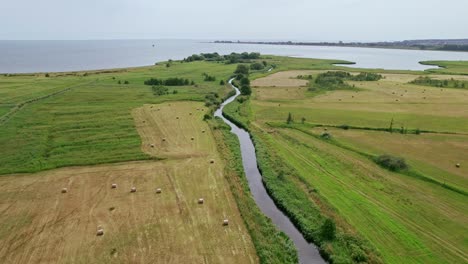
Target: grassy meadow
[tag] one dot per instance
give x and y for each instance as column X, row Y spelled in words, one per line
column 86, row 130
column 327, row 153
column 90, row 123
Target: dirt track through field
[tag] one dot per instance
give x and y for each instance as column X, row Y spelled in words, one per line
column 42, row 225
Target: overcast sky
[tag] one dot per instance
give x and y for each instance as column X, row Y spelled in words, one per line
column 313, row 20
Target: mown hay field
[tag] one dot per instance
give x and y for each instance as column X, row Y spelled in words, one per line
column 42, row 225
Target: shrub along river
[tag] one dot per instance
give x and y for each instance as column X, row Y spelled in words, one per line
column 308, row 253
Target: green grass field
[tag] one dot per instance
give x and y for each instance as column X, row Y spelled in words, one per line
column 89, row 119
column 407, row 217
column 91, row 123
column 415, row 216
column 448, row 67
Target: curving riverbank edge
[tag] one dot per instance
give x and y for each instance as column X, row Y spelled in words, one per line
column 308, row 253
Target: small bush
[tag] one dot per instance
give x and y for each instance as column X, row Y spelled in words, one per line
column 245, row 90
column 357, row 254
column 391, row 162
column 328, row 230
column 326, row 135
column 208, row 78
column 207, row 117
column 256, row 66
column 345, row 127
column 47, row 75
column 159, row 90
column 242, row 69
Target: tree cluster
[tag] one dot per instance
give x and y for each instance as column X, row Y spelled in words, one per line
column 391, row 162
column 454, row 47
column 159, row 90
column 169, row 82
column 208, row 78
column 228, row 59
column 366, row 76
column 256, row 66
column 452, row 83
column 334, row 80
column 242, row 75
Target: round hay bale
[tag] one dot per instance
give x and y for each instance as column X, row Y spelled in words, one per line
column 144, row 121
column 64, row 190
column 190, row 113
column 164, row 139
column 158, row 190
column 114, row 186
column 457, row 165
column 192, row 138
column 225, row 222
column 152, row 145
column 177, row 117
column 212, row 161
column 100, row 232
column 133, row 189
column 201, row 201
column 203, row 131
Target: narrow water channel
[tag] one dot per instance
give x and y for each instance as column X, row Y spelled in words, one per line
column 308, row 253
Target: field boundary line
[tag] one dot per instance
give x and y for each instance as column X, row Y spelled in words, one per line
column 19, row 106
column 442, row 242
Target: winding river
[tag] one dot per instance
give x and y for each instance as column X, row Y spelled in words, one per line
column 308, row 253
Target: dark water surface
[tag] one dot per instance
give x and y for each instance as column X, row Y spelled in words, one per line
column 22, row 56
column 308, row 253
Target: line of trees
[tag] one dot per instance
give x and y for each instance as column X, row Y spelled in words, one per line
column 228, row 59
column 454, row 47
column 242, row 75
column 452, row 83
column 334, row 80
column 169, row 82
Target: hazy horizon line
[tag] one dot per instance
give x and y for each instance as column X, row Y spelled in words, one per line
column 236, row 39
